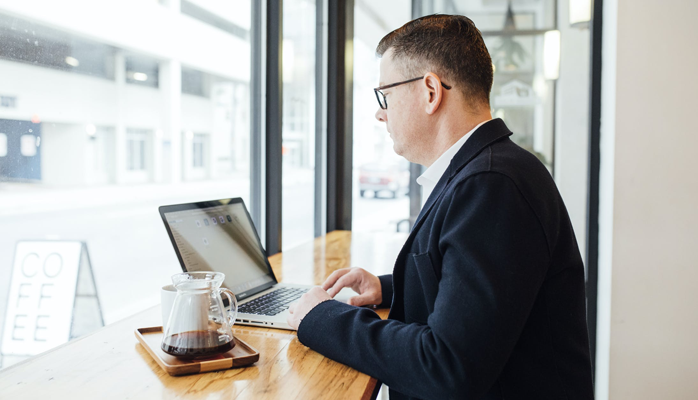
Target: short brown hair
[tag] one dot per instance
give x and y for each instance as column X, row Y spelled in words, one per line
column 452, row 46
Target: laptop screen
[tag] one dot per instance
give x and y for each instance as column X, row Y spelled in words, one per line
column 220, row 237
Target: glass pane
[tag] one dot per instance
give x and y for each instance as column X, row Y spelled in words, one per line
column 142, row 71
column 106, row 118
column 298, row 151
column 571, row 125
column 521, row 95
column 381, row 177
column 548, row 112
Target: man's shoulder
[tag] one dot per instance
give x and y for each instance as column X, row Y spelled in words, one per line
column 508, row 159
column 503, row 169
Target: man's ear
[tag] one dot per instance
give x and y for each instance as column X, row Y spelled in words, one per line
column 434, row 92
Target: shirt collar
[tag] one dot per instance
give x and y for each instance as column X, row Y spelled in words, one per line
column 432, row 174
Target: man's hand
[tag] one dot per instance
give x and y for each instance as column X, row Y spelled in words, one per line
column 367, row 285
column 307, row 302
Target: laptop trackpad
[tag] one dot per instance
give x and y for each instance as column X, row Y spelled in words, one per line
column 345, row 294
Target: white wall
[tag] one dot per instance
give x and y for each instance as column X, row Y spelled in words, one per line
column 65, row 97
column 648, row 297
column 63, row 154
column 57, row 96
column 67, row 102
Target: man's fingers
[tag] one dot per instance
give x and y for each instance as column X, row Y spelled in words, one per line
column 291, row 308
column 330, row 281
column 362, row 300
column 344, row 281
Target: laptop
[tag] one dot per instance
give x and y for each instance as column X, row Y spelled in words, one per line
column 219, row 235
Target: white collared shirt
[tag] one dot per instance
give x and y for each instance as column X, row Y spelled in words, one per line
column 431, row 176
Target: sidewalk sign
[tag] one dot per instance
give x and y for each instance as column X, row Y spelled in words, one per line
column 52, row 299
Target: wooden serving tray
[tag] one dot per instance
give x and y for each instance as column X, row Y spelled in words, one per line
column 239, row 356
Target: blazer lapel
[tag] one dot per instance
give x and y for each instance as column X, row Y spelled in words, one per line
column 484, row 136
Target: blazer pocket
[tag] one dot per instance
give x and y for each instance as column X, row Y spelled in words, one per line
column 428, row 285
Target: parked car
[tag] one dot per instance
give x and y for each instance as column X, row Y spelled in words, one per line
column 391, row 178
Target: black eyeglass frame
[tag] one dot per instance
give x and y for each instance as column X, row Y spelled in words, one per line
column 378, row 90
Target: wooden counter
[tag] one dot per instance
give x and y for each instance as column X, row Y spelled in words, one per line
column 110, row 363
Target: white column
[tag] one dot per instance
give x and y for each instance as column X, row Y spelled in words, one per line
column 648, row 219
column 170, row 160
column 120, row 153
column 171, row 89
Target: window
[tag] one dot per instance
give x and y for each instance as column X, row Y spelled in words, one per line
column 25, row 41
column 522, row 95
column 198, row 144
column 142, row 71
column 28, row 145
column 135, row 145
column 298, row 133
column 193, row 82
column 541, row 85
column 98, row 132
column 381, row 177
column 3, row 145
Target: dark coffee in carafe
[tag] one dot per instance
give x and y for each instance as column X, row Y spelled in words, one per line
column 195, row 344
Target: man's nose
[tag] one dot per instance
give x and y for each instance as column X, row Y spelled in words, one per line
column 381, row 115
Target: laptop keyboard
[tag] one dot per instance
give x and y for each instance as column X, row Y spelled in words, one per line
column 272, row 303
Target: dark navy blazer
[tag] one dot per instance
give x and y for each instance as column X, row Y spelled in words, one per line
column 487, row 294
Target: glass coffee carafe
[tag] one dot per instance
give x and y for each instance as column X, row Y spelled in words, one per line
column 199, row 324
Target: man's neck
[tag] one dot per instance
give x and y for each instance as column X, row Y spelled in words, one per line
column 452, row 129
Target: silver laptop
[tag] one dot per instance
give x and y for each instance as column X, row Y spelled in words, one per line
column 219, row 236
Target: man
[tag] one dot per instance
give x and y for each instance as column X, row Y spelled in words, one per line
column 487, row 295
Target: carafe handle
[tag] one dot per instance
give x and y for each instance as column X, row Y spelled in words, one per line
column 233, row 313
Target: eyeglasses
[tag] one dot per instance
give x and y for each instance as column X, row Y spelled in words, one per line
column 384, row 104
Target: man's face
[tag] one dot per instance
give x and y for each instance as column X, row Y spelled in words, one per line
column 405, row 116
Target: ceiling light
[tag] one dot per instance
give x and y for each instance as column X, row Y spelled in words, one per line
column 551, row 55
column 72, row 61
column 288, row 60
column 139, row 76
column 580, row 13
